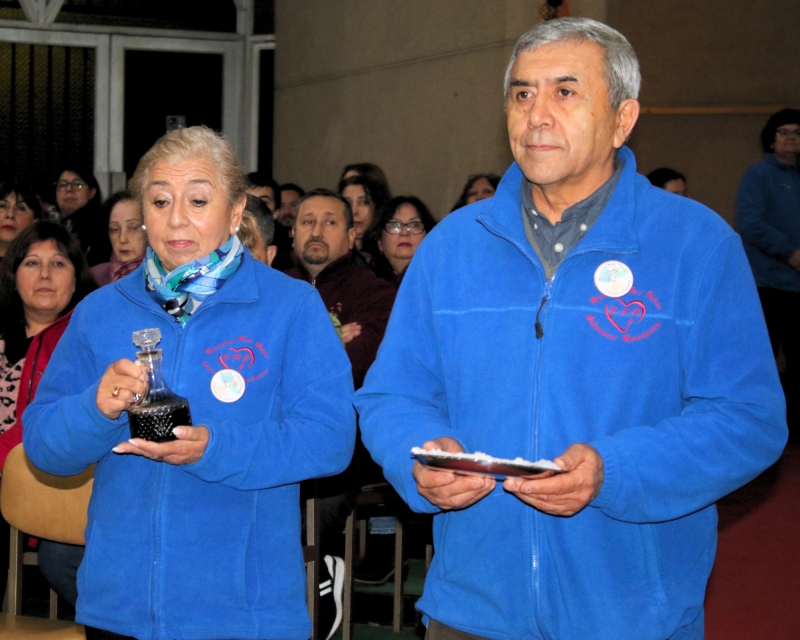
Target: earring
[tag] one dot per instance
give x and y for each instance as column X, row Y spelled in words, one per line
column 144, row 227
column 236, row 229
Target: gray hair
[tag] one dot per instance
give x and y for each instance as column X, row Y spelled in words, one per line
column 622, row 75
column 192, row 143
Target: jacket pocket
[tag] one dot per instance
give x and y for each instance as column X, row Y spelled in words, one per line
column 115, row 576
column 651, row 559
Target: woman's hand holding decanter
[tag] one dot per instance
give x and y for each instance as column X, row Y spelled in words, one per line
column 121, row 385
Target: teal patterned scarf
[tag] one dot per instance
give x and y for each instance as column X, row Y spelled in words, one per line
column 186, row 287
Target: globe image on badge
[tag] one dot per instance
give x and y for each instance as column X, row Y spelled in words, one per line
column 227, row 385
column 613, row 279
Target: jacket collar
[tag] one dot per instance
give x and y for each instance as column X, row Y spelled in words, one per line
column 241, row 287
column 614, row 230
column 771, row 159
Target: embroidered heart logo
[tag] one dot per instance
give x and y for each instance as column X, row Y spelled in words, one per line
column 244, row 356
column 636, row 304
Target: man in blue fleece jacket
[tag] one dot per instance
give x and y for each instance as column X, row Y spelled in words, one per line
column 612, row 326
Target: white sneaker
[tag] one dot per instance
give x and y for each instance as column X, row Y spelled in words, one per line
column 330, row 591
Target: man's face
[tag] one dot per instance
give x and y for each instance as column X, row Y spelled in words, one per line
column 321, row 234
column 286, row 214
column 561, row 126
column 266, row 194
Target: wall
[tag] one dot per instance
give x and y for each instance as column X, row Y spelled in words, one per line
column 414, row 86
column 716, row 53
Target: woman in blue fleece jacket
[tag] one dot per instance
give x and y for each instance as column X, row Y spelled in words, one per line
column 768, row 218
column 198, row 538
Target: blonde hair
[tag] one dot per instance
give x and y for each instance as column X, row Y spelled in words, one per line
column 190, row 144
column 248, row 228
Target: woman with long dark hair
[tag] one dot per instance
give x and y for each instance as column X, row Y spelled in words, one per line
column 365, row 196
column 43, row 277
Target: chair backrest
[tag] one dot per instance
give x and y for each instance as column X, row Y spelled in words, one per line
column 311, row 552
column 43, row 505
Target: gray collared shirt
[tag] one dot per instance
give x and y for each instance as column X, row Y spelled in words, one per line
column 552, row 242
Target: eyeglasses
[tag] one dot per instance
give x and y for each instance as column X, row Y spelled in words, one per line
column 63, row 185
column 787, row 133
column 395, row 228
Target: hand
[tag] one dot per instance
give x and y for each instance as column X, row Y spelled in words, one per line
column 350, row 330
column 117, row 387
column 448, row 490
column 189, row 447
column 794, row 260
column 567, row 493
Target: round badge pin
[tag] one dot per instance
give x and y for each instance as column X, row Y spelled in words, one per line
column 613, row 279
column 227, row 385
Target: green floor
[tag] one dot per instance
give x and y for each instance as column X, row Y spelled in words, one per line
column 376, row 603
column 411, row 587
column 377, row 632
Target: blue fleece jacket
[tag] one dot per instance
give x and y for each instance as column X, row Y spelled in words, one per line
column 673, row 383
column 210, row 549
column 768, row 218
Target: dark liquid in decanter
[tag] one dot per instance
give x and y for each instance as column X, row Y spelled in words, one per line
column 161, row 410
column 156, row 421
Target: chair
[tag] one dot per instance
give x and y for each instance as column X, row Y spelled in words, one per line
column 372, row 495
column 55, row 508
column 45, row 506
column 312, row 556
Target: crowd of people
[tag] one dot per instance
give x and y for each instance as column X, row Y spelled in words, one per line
column 655, row 395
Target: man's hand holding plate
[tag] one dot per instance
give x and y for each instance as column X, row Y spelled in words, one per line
column 567, row 493
column 446, row 489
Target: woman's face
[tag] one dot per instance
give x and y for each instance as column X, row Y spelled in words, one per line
column 45, row 279
column 186, row 211
column 362, row 209
column 677, row 186
column 15, row 216
column 72, row 193
column 125, row 231
column 480, row 190
column 787, row 143
column 400, row 248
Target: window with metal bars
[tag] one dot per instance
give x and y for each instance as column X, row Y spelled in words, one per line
column 210, row 15
column 46, row 108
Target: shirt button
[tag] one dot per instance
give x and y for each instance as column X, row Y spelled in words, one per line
column 583, row 227
column 559, row 247
column 533, row 211
column 535, row 226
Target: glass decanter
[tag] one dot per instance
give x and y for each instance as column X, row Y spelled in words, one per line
column 160, row 410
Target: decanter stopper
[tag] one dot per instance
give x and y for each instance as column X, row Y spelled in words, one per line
column 147, row 339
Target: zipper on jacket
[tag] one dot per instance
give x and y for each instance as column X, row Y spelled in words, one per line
column 537, row 619
column 539, row 344
column 155, row 580
column 157, row 603
column 547, row 286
